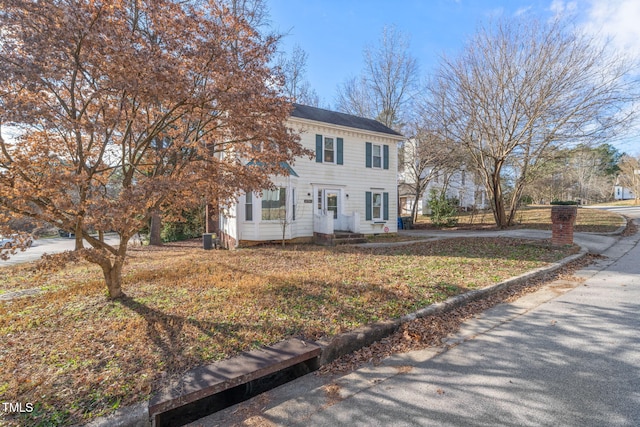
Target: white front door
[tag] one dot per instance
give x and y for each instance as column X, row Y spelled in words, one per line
column 328, row 200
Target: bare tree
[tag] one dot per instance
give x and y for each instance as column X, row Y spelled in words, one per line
column 354, row 97
column 386, row 84
column 592, row 171
column 522, row 89
column 423, row 157
column 630, row 174
column 294, row 70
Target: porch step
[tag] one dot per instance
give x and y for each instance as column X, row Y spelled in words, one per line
column 208, row 389
column 347, row 237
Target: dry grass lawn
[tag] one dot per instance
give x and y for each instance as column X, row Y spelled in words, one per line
column 629, row 202
column 75, row 355
column 539, row 217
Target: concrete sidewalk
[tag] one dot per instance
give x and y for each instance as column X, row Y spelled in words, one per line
column 568, row 354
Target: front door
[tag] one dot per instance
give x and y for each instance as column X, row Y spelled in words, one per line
column 329, row 201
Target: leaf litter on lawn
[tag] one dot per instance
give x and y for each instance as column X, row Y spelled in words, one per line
column 78, row 355
column 429, row 331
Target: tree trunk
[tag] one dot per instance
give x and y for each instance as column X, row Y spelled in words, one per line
column 113, row 277
column 101, row 236
column 111, row 265
column 515, row 202
column 497, row 202
column 414, row 208
column 155, row 238
column 79, row 238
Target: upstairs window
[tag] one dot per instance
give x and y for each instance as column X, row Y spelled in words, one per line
column 377, row 156
column 329, row 149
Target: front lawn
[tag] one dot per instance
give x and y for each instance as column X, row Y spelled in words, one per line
column 538, row 217
column 75, row 355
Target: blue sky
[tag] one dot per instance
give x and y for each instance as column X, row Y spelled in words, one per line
column 334, row 32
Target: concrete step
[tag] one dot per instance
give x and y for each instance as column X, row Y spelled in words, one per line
column 349, row 240
column 347, row 237
column 211, row 388
column 339, row 238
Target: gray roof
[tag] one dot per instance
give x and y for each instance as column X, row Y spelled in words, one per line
column 340, row 119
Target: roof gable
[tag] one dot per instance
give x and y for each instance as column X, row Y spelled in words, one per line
column 340, row 119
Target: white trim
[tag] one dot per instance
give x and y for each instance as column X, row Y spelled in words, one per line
column 375, row 218
column 373, row 156
column 335, row 149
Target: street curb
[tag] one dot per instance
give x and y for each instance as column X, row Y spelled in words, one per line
column 129, row 416
column 617, row 232
column 138, row 415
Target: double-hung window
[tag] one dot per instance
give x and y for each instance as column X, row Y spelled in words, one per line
column 248, row 206
column 376, row 206
column 377, row 156
column 329, row 149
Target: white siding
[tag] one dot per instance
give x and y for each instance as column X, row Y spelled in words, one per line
column 352, row 180
column 229, row 222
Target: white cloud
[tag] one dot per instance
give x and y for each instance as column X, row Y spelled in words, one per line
column 561, row 7
column 522, row 11
column 617, row 19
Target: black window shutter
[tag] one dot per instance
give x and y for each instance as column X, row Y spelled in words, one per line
column 385, row 156
column 385, row 206
column 340, row 157
column 369, row 154
column 319, row 148
column 368, row 210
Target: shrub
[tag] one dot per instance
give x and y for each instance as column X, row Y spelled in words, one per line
column 444, row 210
column 192, row 226
column 564, row 203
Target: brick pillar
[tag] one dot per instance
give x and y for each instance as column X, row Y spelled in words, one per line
column 562, row 219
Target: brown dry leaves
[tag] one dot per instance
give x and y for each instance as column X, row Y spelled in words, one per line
column 79, row 355
column 429, row 331
column 539, row 217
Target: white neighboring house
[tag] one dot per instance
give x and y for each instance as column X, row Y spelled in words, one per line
column 622, row 193
column 350, row 185
column 459, row 184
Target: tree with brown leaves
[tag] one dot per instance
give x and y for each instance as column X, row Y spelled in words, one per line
column 126, row 107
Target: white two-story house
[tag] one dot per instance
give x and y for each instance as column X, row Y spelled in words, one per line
column 350, row 185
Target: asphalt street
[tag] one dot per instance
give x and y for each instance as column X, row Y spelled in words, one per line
column 48, row 246
column 566, row 355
